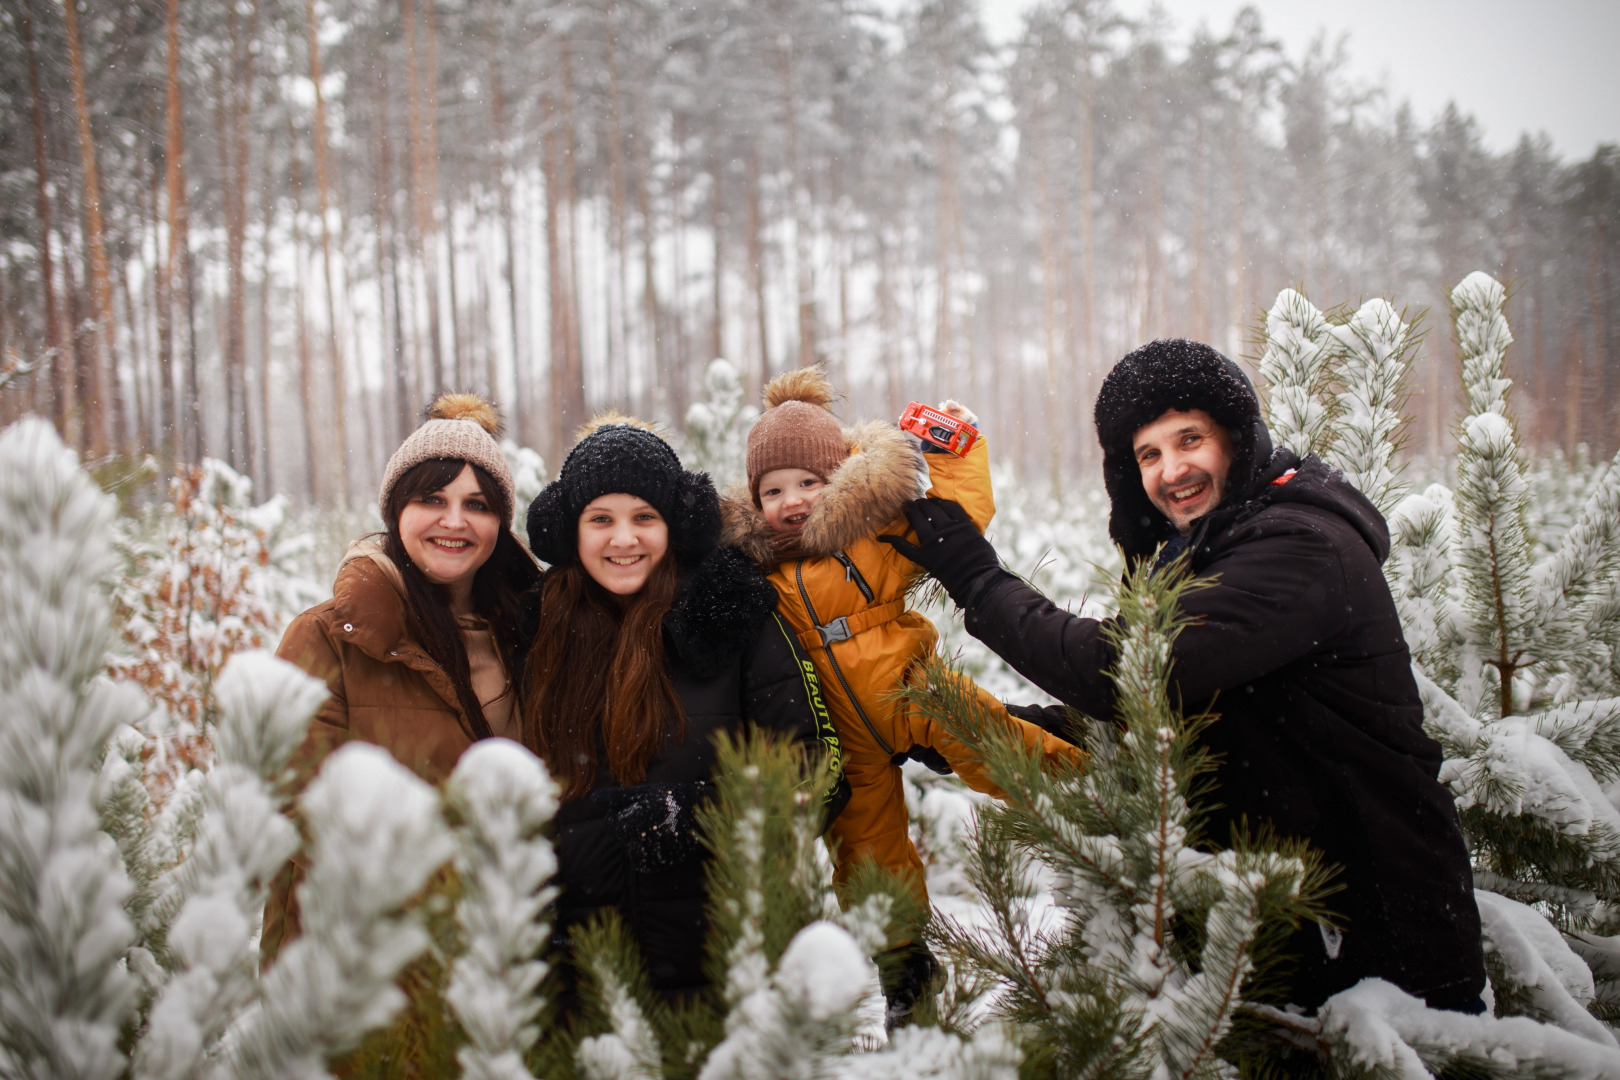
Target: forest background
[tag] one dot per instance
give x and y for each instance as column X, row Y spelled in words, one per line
column 267, row 231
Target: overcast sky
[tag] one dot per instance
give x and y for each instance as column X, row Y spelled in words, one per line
column 1517, row 65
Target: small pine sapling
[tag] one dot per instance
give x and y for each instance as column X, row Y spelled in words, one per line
column 528, row 472
column 789, row 969
column 376, row 836
column 1160, row 938
column 1375, row 347
column 1509, row 633
column 1335, row 387
column 501, row 797
column 201, row 583
column 717, row 428
column 209, row 904
column 65, row 992
column 1296, row 364
column 1493, row 503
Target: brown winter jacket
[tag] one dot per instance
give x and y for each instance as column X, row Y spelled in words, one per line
column 384, row 690
column 886, row 641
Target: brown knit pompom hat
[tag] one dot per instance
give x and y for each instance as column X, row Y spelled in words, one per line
column 457, row 426
column 797, row 430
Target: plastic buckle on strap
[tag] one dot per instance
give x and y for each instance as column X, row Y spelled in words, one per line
column 835, row 631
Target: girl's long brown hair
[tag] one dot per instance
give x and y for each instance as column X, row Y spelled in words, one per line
column 497, row 587
column 596, row 682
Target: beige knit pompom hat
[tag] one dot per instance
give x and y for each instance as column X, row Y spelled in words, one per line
column 459, row 427
column 797, row 429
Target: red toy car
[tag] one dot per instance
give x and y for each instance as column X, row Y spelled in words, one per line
column 941, row 429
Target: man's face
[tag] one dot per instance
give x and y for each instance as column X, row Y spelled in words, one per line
column 1184, row 458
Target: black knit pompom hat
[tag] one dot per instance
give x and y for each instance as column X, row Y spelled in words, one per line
column 621, row 455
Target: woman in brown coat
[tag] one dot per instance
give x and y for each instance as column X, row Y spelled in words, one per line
column 420, row 640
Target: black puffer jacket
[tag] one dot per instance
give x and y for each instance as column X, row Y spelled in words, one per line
column 732, row 662
column 1320, row 730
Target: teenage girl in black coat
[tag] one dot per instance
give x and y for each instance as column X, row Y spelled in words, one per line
column 648, row 640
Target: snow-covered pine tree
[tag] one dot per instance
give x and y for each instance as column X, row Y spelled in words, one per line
column 717, row 428
column 208, row 574
column 1296, row 364
column 65, row 992
column 528, row 473
column 502, row 797
column 1159, row 940
column 1509, row 639
column 1335, row 386
column 201, row 926
column 791, row 969
column 376, row 835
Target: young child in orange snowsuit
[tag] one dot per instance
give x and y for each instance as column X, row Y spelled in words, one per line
column 816, row 499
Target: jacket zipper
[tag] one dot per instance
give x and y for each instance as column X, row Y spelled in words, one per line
column 852, row 574
column 804, row 594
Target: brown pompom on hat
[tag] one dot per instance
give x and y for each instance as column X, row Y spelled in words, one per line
column 797, row 430
column 457, row 426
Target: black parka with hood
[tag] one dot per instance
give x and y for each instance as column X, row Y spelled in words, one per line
column 1298, row 647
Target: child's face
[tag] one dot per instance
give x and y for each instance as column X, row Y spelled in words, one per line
column 786, row 497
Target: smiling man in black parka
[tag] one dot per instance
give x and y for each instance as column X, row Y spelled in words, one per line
column 1297, row 644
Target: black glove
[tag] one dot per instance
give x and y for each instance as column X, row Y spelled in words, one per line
column 909, row 972
column 655, row 823
column 949, row 546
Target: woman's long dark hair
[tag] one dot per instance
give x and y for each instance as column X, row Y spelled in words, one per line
column 596, row 680
column 509, row 572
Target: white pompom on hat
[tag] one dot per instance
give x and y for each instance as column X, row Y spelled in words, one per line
column 458, row 427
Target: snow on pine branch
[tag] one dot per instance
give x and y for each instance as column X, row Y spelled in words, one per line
column 805, row 1015
column 208, row 574
column 503, row 797
column 64, row 991
column 216, row 896
column 1483, row 338
column 1111, row 989
column 1374, row 349
column 1334, row 389
column 717, row 428
column 1383, row 1030
column 1527, row 956
column 1296, row 366
column 1571, row 584
column 376, row 836
column 1419, row 573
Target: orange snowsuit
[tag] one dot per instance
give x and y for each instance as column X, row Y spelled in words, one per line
column 846, row 598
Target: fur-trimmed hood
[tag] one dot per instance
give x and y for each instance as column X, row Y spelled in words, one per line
column 881, row 474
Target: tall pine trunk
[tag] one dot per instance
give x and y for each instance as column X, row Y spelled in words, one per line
column 618, row 289
column 63, row 400
column 334, row 351
column 566, row 368
column 101, row 352
column 503, row 187
column 756, row 273
column 187, row 418
column 267, row 207
column 313, row 478
column 435, row 201
column 421, row 197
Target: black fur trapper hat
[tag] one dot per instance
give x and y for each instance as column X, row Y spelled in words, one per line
column 1160, row 376
column 620, row 454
